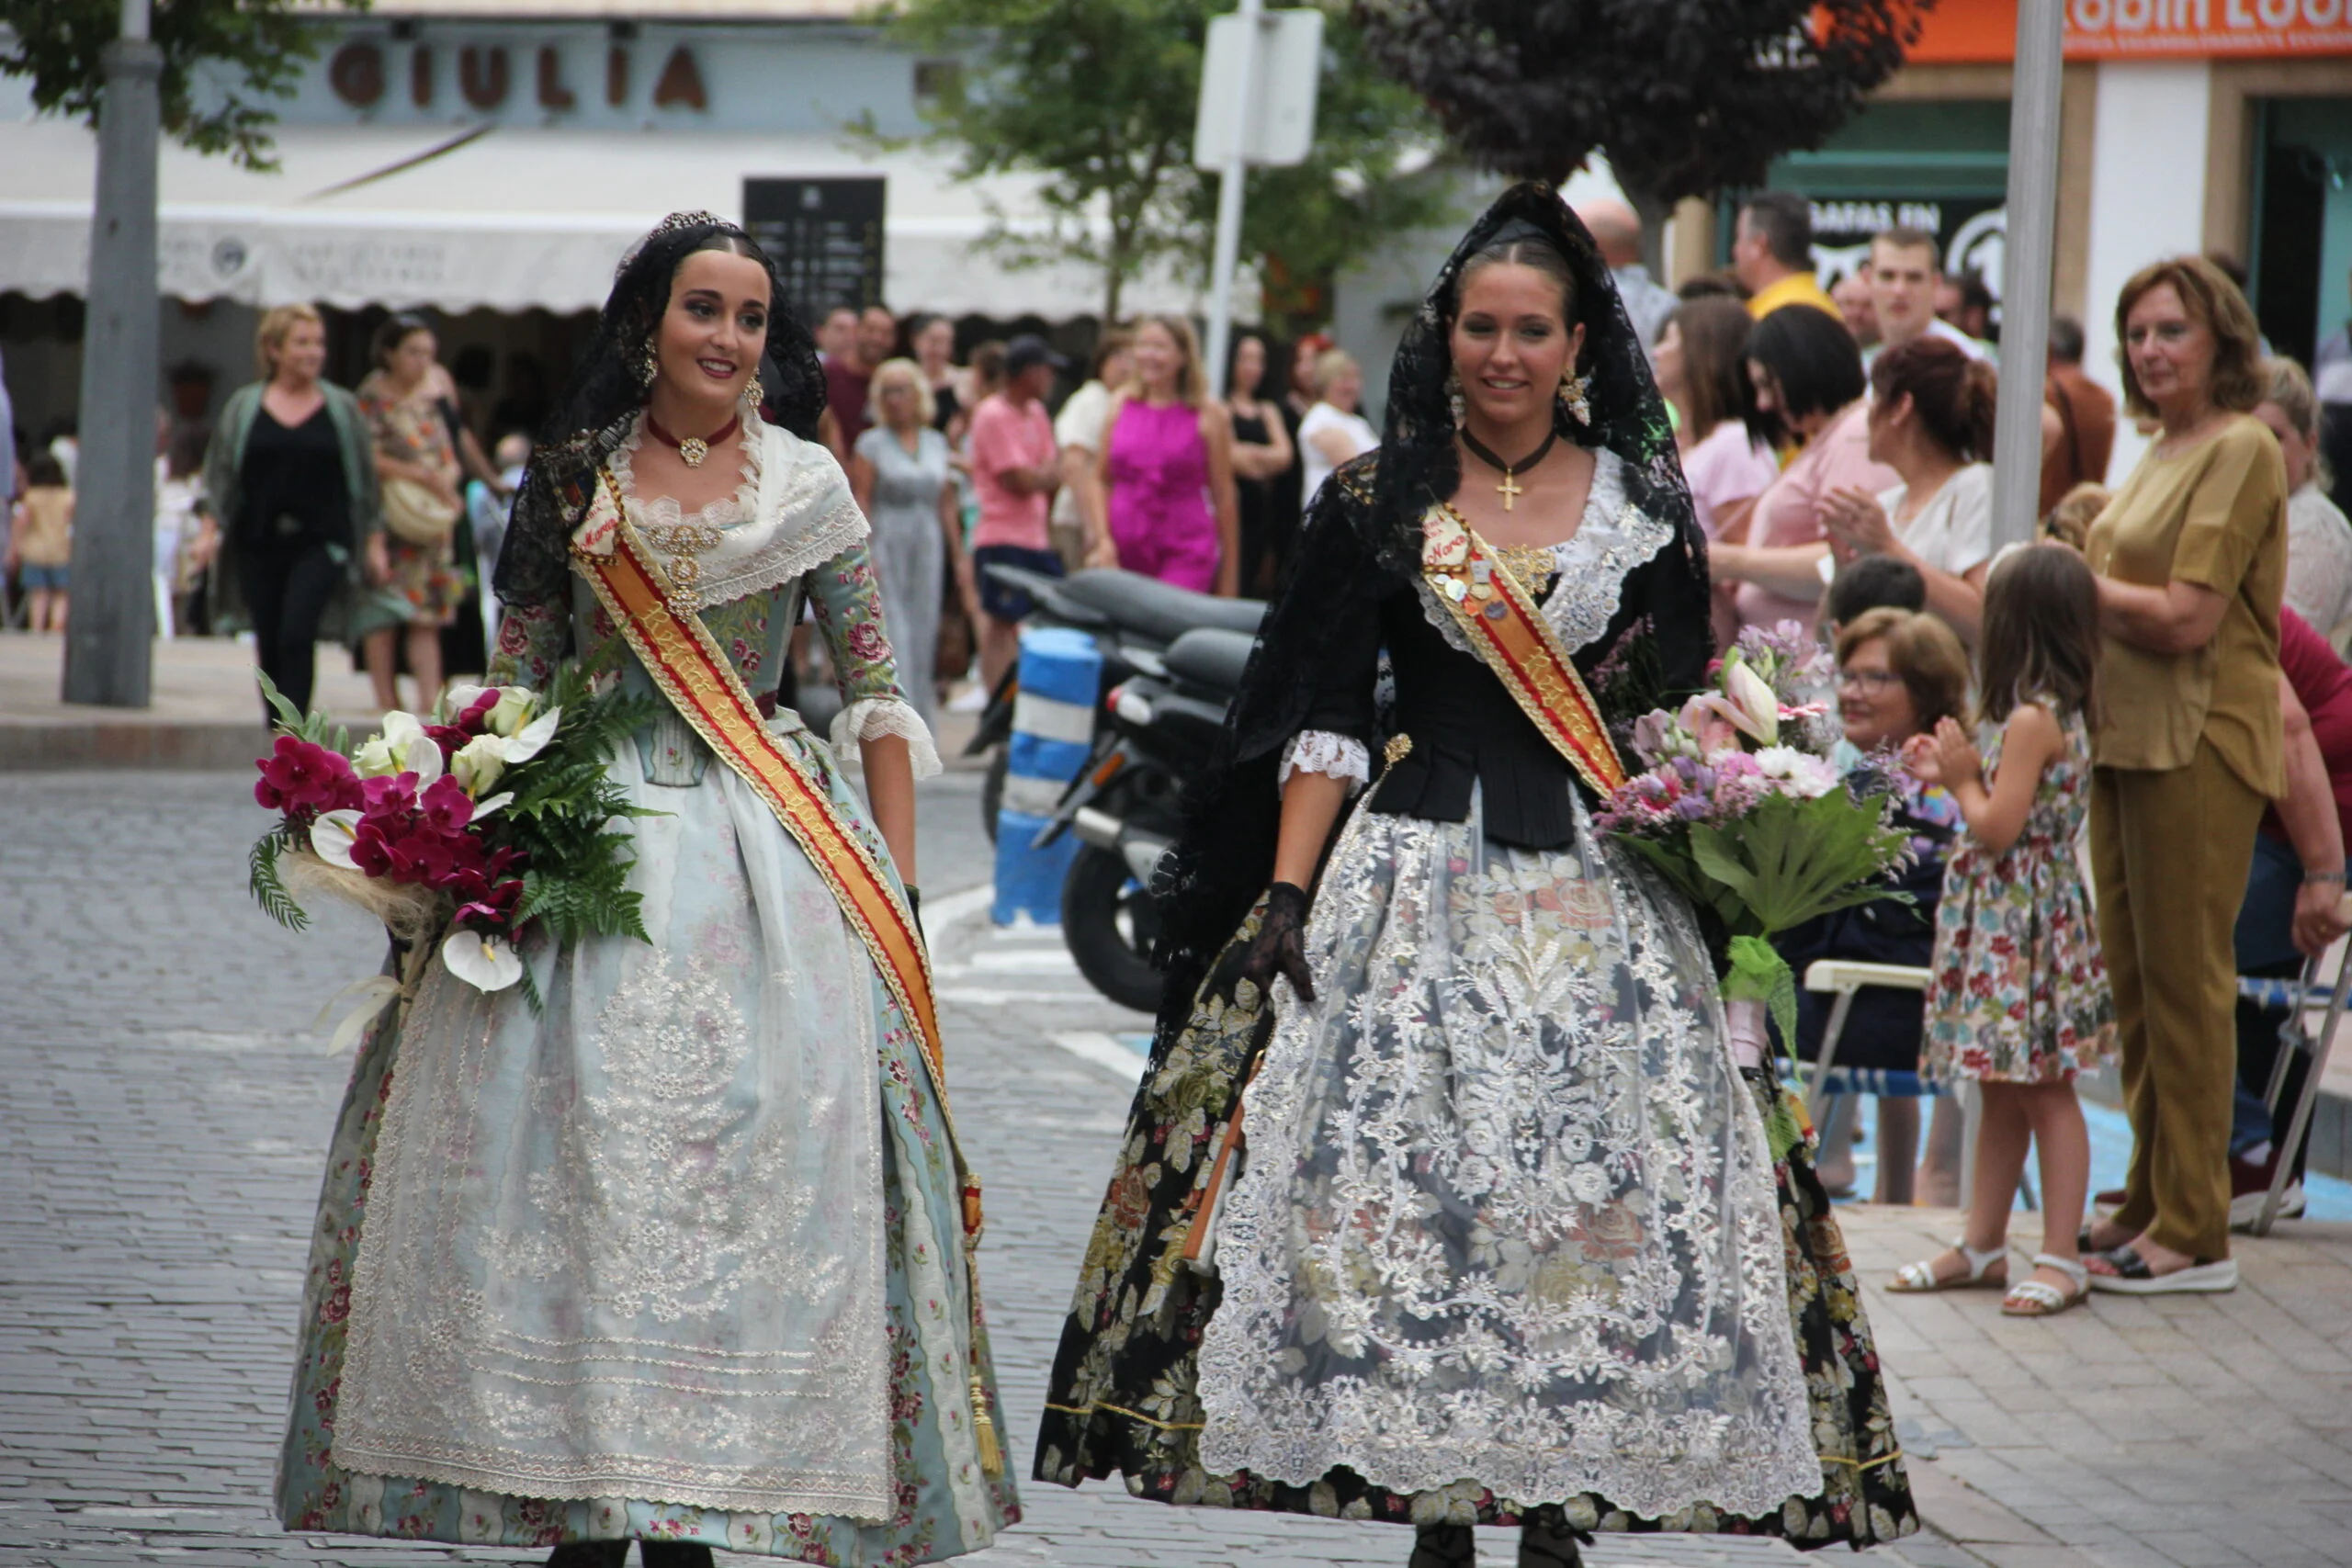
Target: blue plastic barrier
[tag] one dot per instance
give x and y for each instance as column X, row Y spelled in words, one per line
column 1053, row 733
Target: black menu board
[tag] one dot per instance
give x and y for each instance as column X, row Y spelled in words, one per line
column 825, row 236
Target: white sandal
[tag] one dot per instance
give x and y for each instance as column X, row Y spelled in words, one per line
column 1919, row 1279
column 2031, row 1298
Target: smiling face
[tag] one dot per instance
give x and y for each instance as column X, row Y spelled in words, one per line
column 715, row 329
column 877, row 335
column 300, row 355
column 1511, row 343
column 1158, row 359
column 935, row 344
column 2171, row 352
column 1872, row 702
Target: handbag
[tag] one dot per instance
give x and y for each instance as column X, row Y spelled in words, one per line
column 415, row 514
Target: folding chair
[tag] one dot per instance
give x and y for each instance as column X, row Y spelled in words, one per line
column 1844, row 977
column 2297, row 997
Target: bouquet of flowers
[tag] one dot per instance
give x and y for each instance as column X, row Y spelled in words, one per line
column 407, row 826
column 1740, row 806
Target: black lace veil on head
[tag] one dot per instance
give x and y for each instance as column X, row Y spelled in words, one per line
column 607, row 388
column 1419, row 466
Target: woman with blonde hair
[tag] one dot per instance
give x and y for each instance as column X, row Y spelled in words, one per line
column 2319, row 540
column 1164, row 500
column 899, row 472
column 291, row 474
column 1333, row 430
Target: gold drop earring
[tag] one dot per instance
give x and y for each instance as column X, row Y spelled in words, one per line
column 1574, row 389
column 753, row 393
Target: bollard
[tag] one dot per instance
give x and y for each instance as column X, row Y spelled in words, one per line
column 1053, row 733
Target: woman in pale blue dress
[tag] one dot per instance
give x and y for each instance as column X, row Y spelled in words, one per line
column 899, row 472
column 683, row 1257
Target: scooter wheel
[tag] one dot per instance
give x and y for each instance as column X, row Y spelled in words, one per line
column 1110, row 921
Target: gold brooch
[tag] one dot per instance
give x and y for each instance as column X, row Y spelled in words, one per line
column 1398, row 748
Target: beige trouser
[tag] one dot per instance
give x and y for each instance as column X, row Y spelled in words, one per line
column 2169, row 852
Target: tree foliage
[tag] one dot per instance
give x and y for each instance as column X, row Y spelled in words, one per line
column 1684, row 98
column 1096, row 99
column 223, row 59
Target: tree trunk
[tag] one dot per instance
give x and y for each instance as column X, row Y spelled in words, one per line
column 1653, row 211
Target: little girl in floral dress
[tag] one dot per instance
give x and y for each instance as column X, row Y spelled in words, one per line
column 2019, row 1001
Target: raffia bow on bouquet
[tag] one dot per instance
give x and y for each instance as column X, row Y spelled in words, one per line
column 474, row 830
column 1740, row 806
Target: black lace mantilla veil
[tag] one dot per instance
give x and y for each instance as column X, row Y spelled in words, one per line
column 606, row 391
column 1365, row 535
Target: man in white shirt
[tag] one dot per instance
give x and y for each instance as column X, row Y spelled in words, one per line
column 1906, row 269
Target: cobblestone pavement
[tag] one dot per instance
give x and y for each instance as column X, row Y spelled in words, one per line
column 165, row 1105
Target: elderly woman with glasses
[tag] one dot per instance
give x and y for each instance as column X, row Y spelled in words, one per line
column 1899, row 673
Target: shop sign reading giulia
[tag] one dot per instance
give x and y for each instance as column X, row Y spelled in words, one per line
column 487, row 76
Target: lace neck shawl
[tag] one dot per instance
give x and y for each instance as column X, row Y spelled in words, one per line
column 792, row 512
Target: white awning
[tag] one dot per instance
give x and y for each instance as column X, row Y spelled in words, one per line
column 509, row 220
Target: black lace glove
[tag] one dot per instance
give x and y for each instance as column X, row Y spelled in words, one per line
column 1279, row 946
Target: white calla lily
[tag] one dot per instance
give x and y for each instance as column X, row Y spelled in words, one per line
column 513, row 710
column 332, row 836
column 484, row 807
column 476, row 763
column 400, row 727
column 458, row 699
column 422, row 757
column 485, row 963
column 533, row 737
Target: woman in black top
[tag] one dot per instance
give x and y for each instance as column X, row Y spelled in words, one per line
column 292, row 477
column 1262, row 455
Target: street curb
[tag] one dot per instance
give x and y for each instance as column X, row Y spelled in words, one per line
column 66, row 748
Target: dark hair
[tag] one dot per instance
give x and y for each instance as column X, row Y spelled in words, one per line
column 184, row 453
column 2039, row 641
column 608, row 386
column 1785, row 220
column 1922, row 650
column 1812, row 357
column 1874, row 582
column 1707, row 285
column 1951, row 394
column 2065, row 340
column 43, row 468
column 2229, row 267
column 2209, row 296
column 1909, row 237
column 1541, row 255
column 1975, row 292
column 395, row 330
column 1115, row 341
column 1714, row 333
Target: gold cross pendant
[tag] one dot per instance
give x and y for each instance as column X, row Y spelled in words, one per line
column 1509, row 488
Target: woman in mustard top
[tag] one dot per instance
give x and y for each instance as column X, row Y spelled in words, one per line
column 2192, row 559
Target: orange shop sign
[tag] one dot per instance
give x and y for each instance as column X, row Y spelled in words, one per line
column 1966, row 31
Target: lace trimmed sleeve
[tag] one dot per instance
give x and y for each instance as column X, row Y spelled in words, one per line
column 848, row 603
column 1334, row 756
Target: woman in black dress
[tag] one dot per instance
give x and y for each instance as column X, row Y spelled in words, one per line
column 1519, row 1238
column 292, row 473
column 1262, row 455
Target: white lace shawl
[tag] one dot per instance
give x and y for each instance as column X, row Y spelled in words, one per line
column 1614, row 538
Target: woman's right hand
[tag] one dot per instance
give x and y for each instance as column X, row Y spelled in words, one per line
column 1279, row 946
column 379, row 562
column 1102, row 552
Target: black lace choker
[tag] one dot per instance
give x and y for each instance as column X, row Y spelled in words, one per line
column 1509, row 488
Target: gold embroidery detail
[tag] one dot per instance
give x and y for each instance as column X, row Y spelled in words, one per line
column 1398, row 748
column 1531, row 564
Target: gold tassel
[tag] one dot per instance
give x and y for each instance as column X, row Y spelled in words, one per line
column 984, row 1430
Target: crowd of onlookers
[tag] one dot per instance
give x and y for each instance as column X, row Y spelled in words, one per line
column 2122, row 752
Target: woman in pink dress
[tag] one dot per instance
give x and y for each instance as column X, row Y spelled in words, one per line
column 1808, row 379
column 1166, row 472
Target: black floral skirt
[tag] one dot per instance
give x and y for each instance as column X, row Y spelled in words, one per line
column 1123, row 1398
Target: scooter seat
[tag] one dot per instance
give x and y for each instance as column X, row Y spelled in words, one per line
column 1160, row 611
column 1209, row 658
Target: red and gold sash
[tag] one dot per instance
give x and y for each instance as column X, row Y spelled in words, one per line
column 694, row 674
column 1506, row 628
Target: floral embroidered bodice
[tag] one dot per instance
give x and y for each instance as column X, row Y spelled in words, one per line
column 744, row 562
